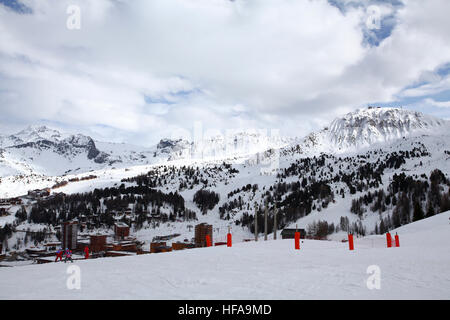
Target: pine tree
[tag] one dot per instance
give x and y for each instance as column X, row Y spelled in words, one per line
column 418, row 212
column 445, row 203
column 430, row 210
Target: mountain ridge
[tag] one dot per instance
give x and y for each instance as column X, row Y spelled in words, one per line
column 363, row 128
column 353, row 131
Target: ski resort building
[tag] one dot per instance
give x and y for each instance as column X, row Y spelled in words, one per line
column 290, row 233
column 97, row 243
column 129, row 245
column 121, row 230
column 69, row 235
column 182, row 245
column 201, row 231
column 39, row 193
column 156, row 247
column 10, row 201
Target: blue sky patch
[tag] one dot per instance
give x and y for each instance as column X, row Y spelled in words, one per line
column 372, row 37
column 17, row 6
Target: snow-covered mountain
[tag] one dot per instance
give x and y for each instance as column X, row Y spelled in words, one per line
column 38, row 149
column 228, row 146
column 45, row 151
column 366, row 127
column 34, row 134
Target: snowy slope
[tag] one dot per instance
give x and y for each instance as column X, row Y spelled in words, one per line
column 31, row 134
column 40, row 150
column 229, row 146
column 373, row 126
column 261, row 270
column 44, row 151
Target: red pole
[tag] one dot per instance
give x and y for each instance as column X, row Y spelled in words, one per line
column 208, row 241
column 350, row 242
column 388, row 240
column 229, row 240
column 297, row 241
column 397, row 241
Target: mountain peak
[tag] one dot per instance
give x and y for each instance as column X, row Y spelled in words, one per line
column 364, row 127
column 37, row 129
column 34, row 133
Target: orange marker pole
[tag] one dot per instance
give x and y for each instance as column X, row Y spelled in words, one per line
column 350, row 242
column 297, row 241
column 397, row 241
column 388, row 240
column 208, row 241
column 229, row 242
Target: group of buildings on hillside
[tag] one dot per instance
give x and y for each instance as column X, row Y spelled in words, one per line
column 37, row 194
column 120, row 244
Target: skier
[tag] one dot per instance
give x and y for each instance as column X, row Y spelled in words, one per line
column 86, row 252
column 59, row 255
column 68, row 255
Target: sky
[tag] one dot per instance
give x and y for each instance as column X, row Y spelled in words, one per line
column 137, row 71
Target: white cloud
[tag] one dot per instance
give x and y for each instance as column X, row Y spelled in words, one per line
column 432, row 86
column 434, row 103
column 267, row 63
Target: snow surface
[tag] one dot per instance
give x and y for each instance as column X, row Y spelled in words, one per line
column 418, row 269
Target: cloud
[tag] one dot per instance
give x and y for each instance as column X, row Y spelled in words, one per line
column 379, row 19
column 432, row 84
column 141, row 70
column 439, row 104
